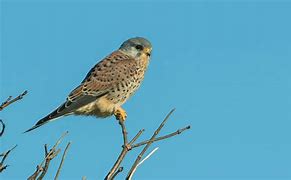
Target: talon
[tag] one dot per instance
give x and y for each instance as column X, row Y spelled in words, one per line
column 120, row 114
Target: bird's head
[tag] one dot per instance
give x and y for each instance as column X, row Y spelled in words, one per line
column 137, row 47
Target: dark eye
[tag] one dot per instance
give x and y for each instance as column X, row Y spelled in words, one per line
column 139, row 47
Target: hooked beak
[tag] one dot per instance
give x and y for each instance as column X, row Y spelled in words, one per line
column 147, row 51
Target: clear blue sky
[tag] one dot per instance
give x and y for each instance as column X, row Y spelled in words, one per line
column 224, row 65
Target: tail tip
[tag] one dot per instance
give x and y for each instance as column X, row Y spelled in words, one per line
column 32, row 128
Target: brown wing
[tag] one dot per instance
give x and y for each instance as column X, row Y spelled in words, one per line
column 105, row 75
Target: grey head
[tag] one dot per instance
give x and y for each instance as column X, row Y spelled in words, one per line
column 136, row 47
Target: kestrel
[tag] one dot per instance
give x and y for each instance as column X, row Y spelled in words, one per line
column 108, row 84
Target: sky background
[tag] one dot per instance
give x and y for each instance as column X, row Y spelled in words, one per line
column 224, row 66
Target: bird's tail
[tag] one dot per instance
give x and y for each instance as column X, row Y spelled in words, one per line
column 68, row 107
column 51, row 117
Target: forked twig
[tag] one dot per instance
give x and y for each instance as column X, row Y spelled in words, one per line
column 49, row 155
column 134, row 166
column 179, row 131
column 6, row 103
column 120, row 169
column 148, row 156
column 4, row 156
column 10, row 100
column 125, row 148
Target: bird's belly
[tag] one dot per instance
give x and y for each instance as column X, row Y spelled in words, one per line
column 102, row 107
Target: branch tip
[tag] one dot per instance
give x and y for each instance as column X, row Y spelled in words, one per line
column 4, row 156
column 42, row 168
column 10, row 100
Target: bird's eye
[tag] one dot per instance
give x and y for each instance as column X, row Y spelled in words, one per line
column 139, row 47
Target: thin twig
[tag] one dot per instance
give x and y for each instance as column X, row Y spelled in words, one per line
column 149, row 155
column 49, row 155
column 120, row 169
column 5, row 155
column 125, row 148
column 3, row 127
column 117, row 163
column 10, row 100
column 148, row 144
column 53, row 149
column 36, row 173
column 179, row 131
column 124, row 132
column 62, row 161
column 45, row 150
column 122, row 154
column 60, row 139
column 136, row 137
column 43, row 170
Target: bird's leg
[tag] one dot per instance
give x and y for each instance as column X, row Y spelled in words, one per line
column 120, row 114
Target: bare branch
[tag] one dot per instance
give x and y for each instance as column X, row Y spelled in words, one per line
column 121, row 155
column 125, row 148
column 3, row 127
column 149, row 155
column 6, row 103
column 115, row 170
column 43, row 169
column 4, row 156
column 179, row 131
column 60, row 139
column 10, row 100
column 148, row 144
column 120, row 169
column 136, row 137
column 62, row 161
column 49, row 155
column 124, row 132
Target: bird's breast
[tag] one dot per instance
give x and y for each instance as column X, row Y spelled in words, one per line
column 122, row 91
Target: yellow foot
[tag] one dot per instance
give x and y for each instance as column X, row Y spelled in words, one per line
column 120, row 114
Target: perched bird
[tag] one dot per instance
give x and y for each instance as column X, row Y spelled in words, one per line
column 108, row 84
